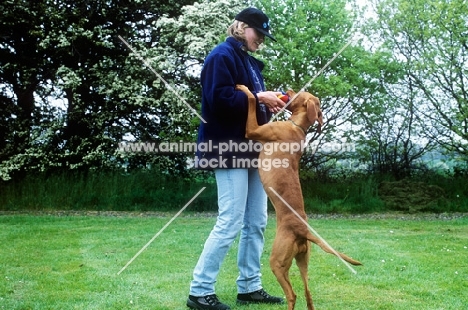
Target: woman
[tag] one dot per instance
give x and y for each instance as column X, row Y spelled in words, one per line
column 242, row 202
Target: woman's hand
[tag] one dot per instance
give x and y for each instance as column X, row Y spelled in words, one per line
column 271, row 100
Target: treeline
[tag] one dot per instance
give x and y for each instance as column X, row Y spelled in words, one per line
column 71, row 89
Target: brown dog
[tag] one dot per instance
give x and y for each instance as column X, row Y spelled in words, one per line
column 292, row 235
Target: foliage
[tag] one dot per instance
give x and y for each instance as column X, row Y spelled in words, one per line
column 356, row 90
column 71, row 90
column 308, row 38
column 411, row 196
column 144, row 190
column 429, row 39
column 149, row 190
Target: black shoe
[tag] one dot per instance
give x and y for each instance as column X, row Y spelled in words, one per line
column 208, row 302
column 258, row 297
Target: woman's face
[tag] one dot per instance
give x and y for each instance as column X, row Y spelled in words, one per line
column 253, row 39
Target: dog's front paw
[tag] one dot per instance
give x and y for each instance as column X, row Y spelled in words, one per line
column 242, row 87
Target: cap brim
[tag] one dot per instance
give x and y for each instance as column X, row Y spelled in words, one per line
column 266, row 33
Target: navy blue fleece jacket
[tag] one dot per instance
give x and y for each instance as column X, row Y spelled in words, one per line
column 223, row 107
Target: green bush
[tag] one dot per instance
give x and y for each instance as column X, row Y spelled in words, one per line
column 150, row 190
column 104, row 191
column 338, row 196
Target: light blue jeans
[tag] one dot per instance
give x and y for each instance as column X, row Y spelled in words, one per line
column 242, row 208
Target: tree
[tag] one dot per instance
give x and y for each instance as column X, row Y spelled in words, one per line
column 391, row 133
column 309, row 35
column 430, row 39
column 184, row 42
column 70, row 51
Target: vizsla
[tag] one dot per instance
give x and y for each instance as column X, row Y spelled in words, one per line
column 292, row 235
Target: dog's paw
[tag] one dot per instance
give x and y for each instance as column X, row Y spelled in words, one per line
column 242, row 87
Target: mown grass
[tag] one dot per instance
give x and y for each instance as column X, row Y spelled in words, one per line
column 71, row 262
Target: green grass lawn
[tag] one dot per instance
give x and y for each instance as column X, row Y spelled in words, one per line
column 71, row 262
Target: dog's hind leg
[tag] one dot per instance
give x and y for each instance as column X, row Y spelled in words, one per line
column 302, row 261
column 281, row 258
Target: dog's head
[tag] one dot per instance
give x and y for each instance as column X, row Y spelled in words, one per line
column 309, row 104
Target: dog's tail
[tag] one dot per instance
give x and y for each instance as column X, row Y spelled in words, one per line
column 327, row 249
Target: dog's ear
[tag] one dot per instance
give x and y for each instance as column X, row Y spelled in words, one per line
column 314, row 113
column 291, row 93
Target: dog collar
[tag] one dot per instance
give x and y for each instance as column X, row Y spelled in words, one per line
column 303, row 130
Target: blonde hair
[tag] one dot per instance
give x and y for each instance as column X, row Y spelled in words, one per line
column 237, row 30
